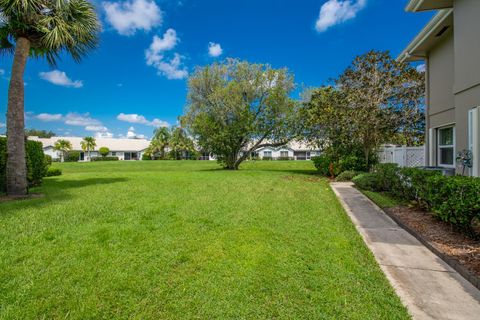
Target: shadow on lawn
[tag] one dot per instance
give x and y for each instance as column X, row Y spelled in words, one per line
column 310, row 172
column 53, row 190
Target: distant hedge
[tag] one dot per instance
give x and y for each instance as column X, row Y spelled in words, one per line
column 37, row 163
column 105, row 159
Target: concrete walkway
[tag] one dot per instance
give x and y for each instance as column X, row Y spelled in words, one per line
column 427, row 286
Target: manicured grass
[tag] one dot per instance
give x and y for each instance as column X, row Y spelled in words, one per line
column 185, row 240
column 382, row 199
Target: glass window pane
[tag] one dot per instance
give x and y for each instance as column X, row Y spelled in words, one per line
column 446, row 137
column 446, row 156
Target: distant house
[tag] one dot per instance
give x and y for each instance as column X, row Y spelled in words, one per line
column 124, row 149
column 450, row 47
column 292, row 151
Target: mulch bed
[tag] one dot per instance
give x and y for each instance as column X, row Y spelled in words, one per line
column 441, row 236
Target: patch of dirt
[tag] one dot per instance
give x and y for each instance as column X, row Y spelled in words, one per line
column 5, row 198
column 441, row 236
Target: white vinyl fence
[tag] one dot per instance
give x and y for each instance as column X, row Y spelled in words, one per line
column 402, row 155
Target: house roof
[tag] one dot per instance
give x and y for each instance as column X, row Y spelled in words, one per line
column 431, row 34
column 111, row 143
column 292, row 145
column 423, row 5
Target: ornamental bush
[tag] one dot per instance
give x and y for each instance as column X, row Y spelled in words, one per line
column 72, row 156
column 36, row 163
column 367, row 181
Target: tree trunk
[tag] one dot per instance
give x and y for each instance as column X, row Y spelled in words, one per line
column 16, row 162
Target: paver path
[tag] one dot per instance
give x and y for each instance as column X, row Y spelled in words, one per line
column 428, row 286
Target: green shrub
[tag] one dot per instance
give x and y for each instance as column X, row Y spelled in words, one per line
column 146, row 157
column 51, row 172
column 347, row 176
column 104, row 159
column 367, row 181
column 455, row 200
column 388, row 176
column 322, row 163
column 36, row 168
column 104, row 151
column 35, row 159
column 72, row 156
column 48, row 160
column 284, row 158
column 352, row 163
column 412, row 185
column 267, row 158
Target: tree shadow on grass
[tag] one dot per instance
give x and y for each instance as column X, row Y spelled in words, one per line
column 55, row 190
column 310, row 172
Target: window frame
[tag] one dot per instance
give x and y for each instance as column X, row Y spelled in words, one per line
column 439, row 147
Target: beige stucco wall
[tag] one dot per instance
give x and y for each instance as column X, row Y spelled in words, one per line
column 467, row 44
column 441, row 76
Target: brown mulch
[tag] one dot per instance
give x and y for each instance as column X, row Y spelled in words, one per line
column 441, row 236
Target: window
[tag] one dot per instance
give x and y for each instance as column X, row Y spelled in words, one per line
column 446, row 146
column 114, row 154
column 284, row 154
column 267, row 154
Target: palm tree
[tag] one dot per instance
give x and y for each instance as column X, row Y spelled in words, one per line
column 160, row 140
column 181, row 144
column 63, row 146
column 38, row 28
column 88, row 144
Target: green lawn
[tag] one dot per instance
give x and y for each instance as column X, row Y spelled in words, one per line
column 185, row 240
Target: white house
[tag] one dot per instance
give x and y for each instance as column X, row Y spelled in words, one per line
column 294, row 150
column 124, row 149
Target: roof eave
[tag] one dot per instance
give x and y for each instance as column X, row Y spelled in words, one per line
column 408, row 54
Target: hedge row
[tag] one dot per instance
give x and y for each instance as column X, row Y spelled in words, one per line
column 105, row 159
column 37, row 163
column 455, row 200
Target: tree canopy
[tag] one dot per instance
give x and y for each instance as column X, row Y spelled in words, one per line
column 236, row 107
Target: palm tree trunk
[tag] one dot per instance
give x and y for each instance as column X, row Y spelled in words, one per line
column 16, row 162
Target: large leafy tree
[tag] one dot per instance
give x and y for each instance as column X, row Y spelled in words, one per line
column 236, row 107
column 64, row 146
column 38, row 28
column 376, row 100
column 88, row 144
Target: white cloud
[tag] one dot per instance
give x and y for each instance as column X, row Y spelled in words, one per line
column 103, row 134
column 214, row 49
column 2, row 124
column 131, row 134
column 421, row 67
column 96, row 128
column 2, row 72
column 76, row 119
column 136, row 118
column 49, row 117
column 60, row 78
column 129, row 16
column 155, row 56
column 334, row 12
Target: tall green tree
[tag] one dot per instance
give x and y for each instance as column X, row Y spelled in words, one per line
column 180, row 143
column 160, row 141
column 236, row 107
column 64, row 146
column 39, row 29
column 379, row 91
column 88, row 144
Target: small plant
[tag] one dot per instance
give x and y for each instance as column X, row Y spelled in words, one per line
column 52, row 172
column 105, row 159
column 104, row 151
column 347, row 176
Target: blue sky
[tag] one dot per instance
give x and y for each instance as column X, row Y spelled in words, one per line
column 136, row 80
